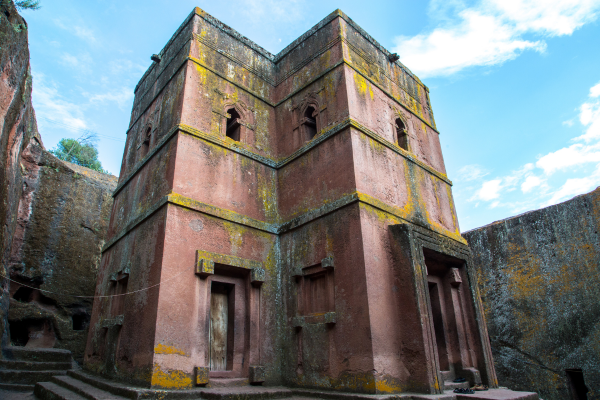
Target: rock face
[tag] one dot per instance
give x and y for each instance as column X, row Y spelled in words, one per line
column 54, row 216
column 62, row 223
column 18, row 131
column 540, row 284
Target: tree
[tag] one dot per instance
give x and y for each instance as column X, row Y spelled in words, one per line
column 81, row 151
column 27, row 4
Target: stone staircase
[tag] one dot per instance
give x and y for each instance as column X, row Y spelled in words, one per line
column 448, row 378
column 79, row 385
column 22, row 367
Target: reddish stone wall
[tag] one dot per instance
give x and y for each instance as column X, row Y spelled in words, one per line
column 137, row 338
column 281, row 215
column 17, row 131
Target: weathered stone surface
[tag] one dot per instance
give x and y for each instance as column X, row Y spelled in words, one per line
column 539, row 276
column 18, row 131
column 62, row 223
column 255, row 223
column 53, row 215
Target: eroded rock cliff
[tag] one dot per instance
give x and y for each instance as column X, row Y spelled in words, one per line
column 53, row 216
column 18, row 130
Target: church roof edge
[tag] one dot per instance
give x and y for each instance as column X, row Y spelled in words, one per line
column 275, row 58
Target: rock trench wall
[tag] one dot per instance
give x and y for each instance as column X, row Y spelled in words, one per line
column 18, row 130
column 539, row 275
column 53, row 217
column 62, row 223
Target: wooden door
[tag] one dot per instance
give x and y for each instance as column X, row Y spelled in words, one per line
column 218, row 327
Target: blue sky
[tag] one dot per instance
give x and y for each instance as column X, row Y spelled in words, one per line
column 514, row 84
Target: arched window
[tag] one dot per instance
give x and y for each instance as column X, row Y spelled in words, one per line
column 309, row 123
column 146, row 142
column 233, row 128
column 401, row 134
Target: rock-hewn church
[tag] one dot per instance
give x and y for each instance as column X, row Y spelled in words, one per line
column 285, row 220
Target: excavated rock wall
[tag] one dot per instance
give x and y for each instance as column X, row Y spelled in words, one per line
column 539, row 276
column 18, row 130
column 54, row 216
column 62, row 223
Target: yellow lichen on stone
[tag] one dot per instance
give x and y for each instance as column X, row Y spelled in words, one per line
column 361, row 84
column 163, row 349
column 172, row 379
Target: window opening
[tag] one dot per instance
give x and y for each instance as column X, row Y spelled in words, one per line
column 316, row 290
column 576, row 384
column 310, row 123
column 401, row 134
column 81, row 321
column 233, row 129
column 146, row 143
column 118, row 301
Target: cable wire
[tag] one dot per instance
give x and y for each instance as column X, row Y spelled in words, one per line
column 94, row 297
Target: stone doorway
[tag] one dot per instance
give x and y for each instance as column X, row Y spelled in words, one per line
column 452, row 316
column 222, row 307
column 228, row 322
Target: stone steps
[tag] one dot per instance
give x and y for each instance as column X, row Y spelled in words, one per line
column 38, row 355
column 34, row 365
column 22, row 367
column 15, row 387
column 115, row 388
column 79, row 385
column 52, row 391
column 86, row 386
column 27, row 377
column 228, row 382
column 449, row 385
column 84, row 389
column 496, row 394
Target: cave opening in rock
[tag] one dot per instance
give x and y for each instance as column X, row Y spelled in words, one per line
column 81, row 321
column 577, row 384
column 24, row 294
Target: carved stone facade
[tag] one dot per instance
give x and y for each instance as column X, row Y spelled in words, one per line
column 285, row 219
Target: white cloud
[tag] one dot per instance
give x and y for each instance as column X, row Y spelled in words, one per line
column 81, row 32
column 490, row 190
column 493, row 189
column 595, row 91
column 574, row 155
column 550, row 17
column 259, row 11
column 478, row 40
column 49, row 104
column 575, row 186
column 82, row 62
column 121, row 96
column 471, row 173
column 124, row 66
column 491, row 32
column 84, row 33
column 589, row 116
column 539, row 183
column 530, row 182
